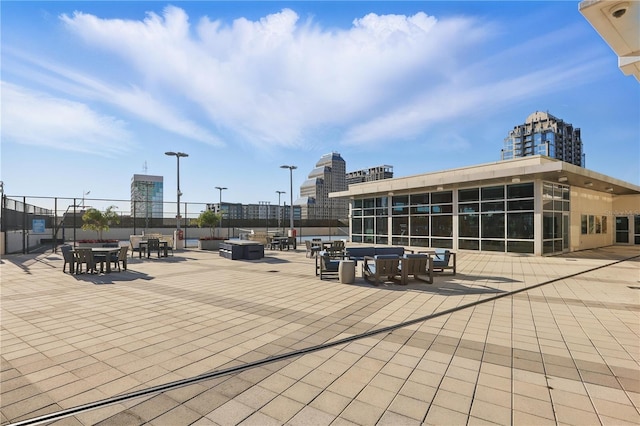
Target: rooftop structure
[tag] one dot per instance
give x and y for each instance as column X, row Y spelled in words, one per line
column 535, row 205
column 370, row 174
column 618, row 24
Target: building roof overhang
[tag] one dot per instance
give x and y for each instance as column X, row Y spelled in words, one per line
column 501, row 172
column 618, row 23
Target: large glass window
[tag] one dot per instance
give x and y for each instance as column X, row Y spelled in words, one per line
column 469, row 225
column 555, row 218
column 492, row 226
column 442, row 226
column 419, row 226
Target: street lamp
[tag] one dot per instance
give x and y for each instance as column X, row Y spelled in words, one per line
column 177, row 155
column 221, row 188
column 83, row 195
column 291, row 169
column 279, row 211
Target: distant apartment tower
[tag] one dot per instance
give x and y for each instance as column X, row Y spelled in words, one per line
column 544, row 134
column 370, row 174
column 147, row 196
column 329, row 175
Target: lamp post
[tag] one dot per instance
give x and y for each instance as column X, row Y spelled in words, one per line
column 291, row 169
column 83, row 195
column 221, row 188
column 178, row 242
column 279, row 211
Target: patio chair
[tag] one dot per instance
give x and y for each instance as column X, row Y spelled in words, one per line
column 84, row 256
column 153, row 244
column 312, row 250
column 381, row 266
column 121, row 258
column 444, row 259
column 327, row 265
column 69, row 258
column 419, row 266
column 337, row 247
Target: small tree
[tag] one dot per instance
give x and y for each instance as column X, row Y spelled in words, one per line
column 95, row 220
column 209, row 219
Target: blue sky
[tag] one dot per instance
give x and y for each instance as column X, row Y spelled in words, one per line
column 94, row 92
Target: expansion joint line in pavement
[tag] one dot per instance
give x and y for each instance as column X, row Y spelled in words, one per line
column 240, row 368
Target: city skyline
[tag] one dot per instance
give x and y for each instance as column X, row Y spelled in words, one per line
column 97, row 89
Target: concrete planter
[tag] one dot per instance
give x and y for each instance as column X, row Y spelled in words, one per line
column 209, row 244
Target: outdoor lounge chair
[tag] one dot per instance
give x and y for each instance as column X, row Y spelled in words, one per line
column 326, row 264
column 337, row 248
column 444, row 259
column 419, row 266
column 381, row 266
column 312, row 250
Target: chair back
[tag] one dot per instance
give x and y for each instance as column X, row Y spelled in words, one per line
column 85, row 255
column 414, row 263
column 122, row 254
column 441, row 257
column 153, row 244
column 387, row 264
column 67, row 254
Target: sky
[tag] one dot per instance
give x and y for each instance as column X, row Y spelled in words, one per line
column 95, row 92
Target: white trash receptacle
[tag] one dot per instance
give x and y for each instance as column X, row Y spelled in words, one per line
column 347, row 271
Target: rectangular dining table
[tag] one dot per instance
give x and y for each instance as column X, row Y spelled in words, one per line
column 105, row 252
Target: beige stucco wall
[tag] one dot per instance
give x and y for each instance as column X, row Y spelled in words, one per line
column 626, row 205
column 588, row 202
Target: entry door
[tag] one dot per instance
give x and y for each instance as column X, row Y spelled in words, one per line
column 622, row 229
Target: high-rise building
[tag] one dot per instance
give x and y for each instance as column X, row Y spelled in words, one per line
column 147, row 196
column 329, row 175
column 544, row 134
column 370, row 174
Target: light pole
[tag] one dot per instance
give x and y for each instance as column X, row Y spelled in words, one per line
column 291, row 169
column 177, row 155
column 83, row 195
column 221, row 188
column 279, row 211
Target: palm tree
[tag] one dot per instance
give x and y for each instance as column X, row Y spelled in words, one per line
column 95, row 220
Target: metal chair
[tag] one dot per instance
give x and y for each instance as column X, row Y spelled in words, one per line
column 121, row 258
column 69, row 259
column 153, row 244
column 84, row 256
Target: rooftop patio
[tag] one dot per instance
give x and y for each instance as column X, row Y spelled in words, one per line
column 200, row 339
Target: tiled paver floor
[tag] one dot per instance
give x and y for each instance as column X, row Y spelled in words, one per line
column 566, row 352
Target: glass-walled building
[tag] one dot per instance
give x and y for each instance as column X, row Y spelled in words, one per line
column 535, row 205
column 147, row 196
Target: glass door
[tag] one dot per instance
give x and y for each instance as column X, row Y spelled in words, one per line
column 622, row 229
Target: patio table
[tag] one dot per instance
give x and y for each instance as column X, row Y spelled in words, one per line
column 104, row 252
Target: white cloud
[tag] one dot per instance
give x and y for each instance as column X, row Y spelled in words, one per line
column 277, row 80
column 33, row 118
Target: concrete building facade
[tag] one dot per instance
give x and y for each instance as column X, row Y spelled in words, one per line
column 328, row 176
column 370, row 174
column 532, row 205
